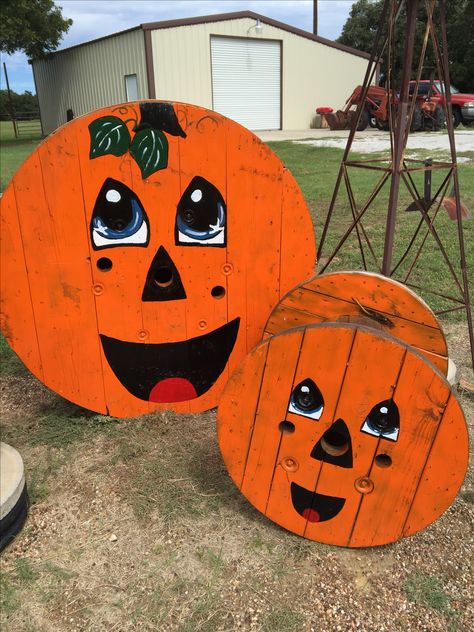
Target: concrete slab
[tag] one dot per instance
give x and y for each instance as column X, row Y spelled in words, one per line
column 303, row 134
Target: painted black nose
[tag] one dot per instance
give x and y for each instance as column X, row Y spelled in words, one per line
column 163, row 282
column 335, row 446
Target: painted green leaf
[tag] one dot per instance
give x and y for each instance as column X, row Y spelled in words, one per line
column 109, row 135
column 150, row 149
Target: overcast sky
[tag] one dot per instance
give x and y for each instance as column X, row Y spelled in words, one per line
column 94, row 18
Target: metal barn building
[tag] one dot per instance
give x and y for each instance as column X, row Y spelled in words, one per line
column 260, row 72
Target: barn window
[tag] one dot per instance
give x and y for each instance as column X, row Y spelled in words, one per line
column 131, row 87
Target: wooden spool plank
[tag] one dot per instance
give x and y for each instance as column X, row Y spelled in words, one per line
column 119, row 317
column 203, row 312
column 367, row 298
column 235, row 436
column 258, row 181
column 363, row 386
column 443, row 473
column 17, row 310
column 265, row 438
column 287, row 317
column 72, row 301
column 56, row 255
column 364, row 464
column 297, row 240
column 397, row 483
column 325, row 307
column 146, row 346
column 293, row 449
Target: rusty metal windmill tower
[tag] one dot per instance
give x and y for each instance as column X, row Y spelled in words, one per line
column 398, row 172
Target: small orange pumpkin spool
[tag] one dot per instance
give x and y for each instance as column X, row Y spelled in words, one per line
column 144, row 247
column 364, row 298
column 343, row 435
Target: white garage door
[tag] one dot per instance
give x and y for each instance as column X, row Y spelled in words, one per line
column 246, row 81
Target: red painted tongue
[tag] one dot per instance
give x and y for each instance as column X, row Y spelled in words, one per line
column 311, row 515
column 173, row 389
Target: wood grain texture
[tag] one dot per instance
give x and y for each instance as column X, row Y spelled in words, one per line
column 365, row 298
column 386, row 481
column 78, row 311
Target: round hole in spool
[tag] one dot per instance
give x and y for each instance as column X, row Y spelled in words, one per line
column 383, row 460
column 104, row 264
column 163, row 277
column 218, row 291
column 334, row 443
column 286, row 427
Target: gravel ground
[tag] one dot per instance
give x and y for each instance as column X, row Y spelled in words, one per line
column 380, row 142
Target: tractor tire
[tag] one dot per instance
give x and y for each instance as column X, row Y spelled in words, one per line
column 436, row 122
column 383, row 126
column 417, row 120
column 457, row 118
column 363, row 121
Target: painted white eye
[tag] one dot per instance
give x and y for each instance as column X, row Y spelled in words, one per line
column 113, row 195
column 196, row 195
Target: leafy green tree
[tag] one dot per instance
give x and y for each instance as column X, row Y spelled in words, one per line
column 362, row 24
column 33, row 26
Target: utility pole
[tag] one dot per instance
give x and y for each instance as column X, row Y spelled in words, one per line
column 315, row 17
column 10, row 102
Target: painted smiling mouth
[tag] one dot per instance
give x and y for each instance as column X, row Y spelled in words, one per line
column 315, row 507
column 171, row 371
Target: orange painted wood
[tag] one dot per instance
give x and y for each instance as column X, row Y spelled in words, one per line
column 294, row 446
column 365, row 384
column 366, row 298
column 237, row 434
column 85, row 309
column 444, row 470
column 273, row 401
column 16, row 308
column 386, row 456
column 418, row 389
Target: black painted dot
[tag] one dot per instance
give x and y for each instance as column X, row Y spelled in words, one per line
column 383, row 460
column 286, row 427
column 218, row 291
column 104, row 264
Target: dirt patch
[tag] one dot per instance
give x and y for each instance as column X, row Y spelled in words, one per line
column 136, row 526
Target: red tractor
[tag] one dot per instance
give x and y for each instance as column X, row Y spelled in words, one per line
column 427, row 115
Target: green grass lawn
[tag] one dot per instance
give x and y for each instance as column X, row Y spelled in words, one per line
column 316, row 169
column 14, row 150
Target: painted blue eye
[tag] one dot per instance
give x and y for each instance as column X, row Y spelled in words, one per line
column 201, row 215
column 118, row 218
column 307, row 400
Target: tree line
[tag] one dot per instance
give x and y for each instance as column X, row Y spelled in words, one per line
column 24, row 105
column 363, row 21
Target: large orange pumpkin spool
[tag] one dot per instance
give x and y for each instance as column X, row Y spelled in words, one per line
column 343, row 434
column 143, row 248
